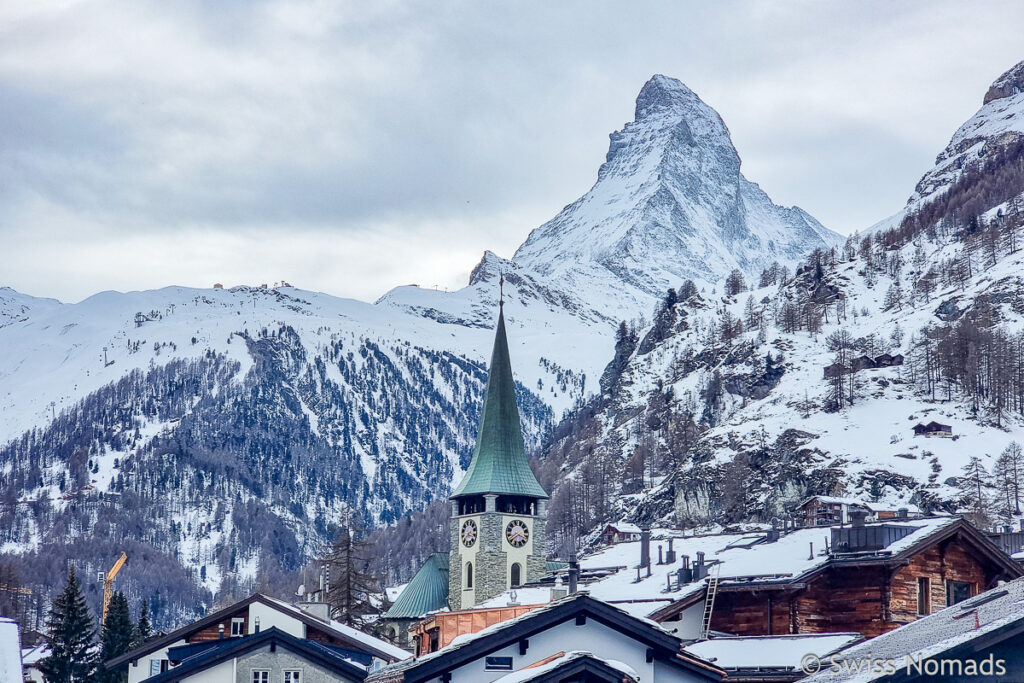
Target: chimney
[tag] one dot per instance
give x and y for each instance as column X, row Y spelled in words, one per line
column 771, row 536
column 320, row 610
column 684, row 574
column 700, row 570
column 670, row 554
column 645, row 546
column 661, row 557
column 857, row 517
column 902, row 513
column 574, row 574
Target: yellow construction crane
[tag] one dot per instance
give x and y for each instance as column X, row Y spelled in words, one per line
column 108, row 582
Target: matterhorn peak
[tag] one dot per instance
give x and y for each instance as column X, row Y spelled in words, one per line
column 660, row 93
column 669, row 204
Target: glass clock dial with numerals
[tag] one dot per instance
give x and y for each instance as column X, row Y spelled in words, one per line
column 517, row 533
column 468, row 533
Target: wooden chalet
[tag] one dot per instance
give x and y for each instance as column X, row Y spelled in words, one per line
column 978, row 640
column 872, row 579
column 887, row 360
column 863, row 363
column 933, row 429
column 829, row 510
column 620, row 532
column 835, row 370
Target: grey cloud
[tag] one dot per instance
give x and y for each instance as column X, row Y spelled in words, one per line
column 459, row 120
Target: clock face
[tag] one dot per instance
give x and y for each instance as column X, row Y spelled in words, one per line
column 516, row 533
column 468, row 533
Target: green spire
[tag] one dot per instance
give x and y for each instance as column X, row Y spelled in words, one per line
column 499, row 461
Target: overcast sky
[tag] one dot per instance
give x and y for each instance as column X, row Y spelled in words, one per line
column 351, row 147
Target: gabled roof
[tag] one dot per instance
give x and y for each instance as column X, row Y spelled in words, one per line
column 971, row 626
column 782, row 565
column 572, row 666
column 499, row 462
column 427, row 592
column 346, row 634
column 470, row 647
column 318, row 653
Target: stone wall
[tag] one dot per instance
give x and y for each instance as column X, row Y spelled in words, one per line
column 277, row 662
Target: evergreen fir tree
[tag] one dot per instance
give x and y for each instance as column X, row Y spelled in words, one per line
column 143, row 630
column 70, row 636
column 118, row 633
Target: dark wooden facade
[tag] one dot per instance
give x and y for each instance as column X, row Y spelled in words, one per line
column 861, row 598
column 869, row 595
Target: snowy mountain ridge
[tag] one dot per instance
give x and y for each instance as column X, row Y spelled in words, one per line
column 722, row 410
column 669, row 204
column 235, row 426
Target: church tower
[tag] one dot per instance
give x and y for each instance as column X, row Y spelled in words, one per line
column 499, row 510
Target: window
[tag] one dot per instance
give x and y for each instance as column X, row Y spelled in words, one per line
column 154, row 667
column 261, row 676
column 498, row 664
column 957, row 591
column 517, row 575
column 292, row 676
column 469, row 575
column 237, row 627
column 924, row 602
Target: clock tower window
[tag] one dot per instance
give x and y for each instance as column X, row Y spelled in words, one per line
column 517, row 574
column 469, row 575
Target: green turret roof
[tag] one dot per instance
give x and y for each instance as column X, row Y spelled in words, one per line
column 499, row 461
column 427, row 592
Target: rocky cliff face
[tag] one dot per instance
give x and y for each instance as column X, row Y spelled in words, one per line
column 998, row 124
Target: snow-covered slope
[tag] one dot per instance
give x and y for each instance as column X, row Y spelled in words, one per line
column 669, row 204
column 721, row 409
column 228, row 429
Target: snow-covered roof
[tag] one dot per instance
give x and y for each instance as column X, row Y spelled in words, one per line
column 743, row 557
column 625, row 527
column 10, row 650
column 33, row 655
column 874, row 507
column 936, row 634
column 581, row 600
column 773, row 652
column 535, row 670
column 370, row 642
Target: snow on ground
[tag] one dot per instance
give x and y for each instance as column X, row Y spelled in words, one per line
column 54, row 352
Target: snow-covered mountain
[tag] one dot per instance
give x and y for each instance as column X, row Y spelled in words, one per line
column 996, row 127
column 721, row 410
column 669, row 204
column 228, row 429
